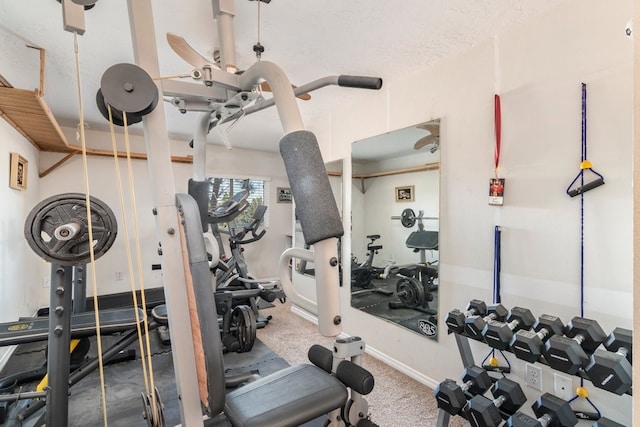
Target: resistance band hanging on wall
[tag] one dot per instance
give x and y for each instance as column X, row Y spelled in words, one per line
column 493, row 363
column 596, row 180
column 496, row 184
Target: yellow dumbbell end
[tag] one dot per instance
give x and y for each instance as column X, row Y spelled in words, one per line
column 586, row 164
column 582, row 392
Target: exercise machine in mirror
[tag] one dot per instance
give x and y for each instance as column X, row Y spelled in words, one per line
column 395, row 226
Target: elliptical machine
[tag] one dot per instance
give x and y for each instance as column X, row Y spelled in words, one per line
column 416, row 283
column 363, row 273
column 237, row 291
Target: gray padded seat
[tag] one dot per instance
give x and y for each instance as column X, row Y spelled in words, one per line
column 289, row 397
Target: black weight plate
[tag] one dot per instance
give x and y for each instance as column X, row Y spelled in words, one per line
column 55, row 216
column 244, row 319
column 410, row 292
column 408, row 218
column 130, row 89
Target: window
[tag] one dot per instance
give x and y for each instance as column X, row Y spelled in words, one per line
column 222, row 189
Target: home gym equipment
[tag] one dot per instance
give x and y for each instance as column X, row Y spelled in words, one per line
column 528, row 345
column 128, row 92
column 57, row 229
column 585, row 165
column 68, row 230
column 473, row 325
column 498, row 334
column 417, row 282
column 363, row 273
column 611, row 370
column 303, row 393
column 455, row 319
column 551, row 412
column 451, row 396
column 508, row 398
column 569, row 353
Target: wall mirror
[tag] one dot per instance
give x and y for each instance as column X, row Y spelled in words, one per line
column 395, row 198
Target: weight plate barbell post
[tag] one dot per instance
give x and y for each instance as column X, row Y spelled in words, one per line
column 57, row 229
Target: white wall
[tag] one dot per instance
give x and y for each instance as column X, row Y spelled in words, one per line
column 261, row 256
column 21, row 285
column 537, row 68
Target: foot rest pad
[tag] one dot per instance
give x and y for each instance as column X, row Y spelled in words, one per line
column 289, row 397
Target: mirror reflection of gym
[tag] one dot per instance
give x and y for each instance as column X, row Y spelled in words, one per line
column 395, row 198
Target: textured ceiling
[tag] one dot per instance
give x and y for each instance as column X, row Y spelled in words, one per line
column 307, row 39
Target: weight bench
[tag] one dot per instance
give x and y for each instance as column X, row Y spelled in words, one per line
column 422, row 240
column 298, row 394
column 82, row 325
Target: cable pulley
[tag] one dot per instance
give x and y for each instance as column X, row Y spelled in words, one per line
column 126, row 88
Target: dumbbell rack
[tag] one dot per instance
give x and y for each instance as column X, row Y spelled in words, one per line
column 466, row 355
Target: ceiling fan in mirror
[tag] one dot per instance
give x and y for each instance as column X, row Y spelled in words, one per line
column 432, row 140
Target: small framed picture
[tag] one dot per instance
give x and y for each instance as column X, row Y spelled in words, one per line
column 405, row 194
column 284, row 195
column 18, row 175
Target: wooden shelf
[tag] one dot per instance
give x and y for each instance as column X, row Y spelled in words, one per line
column 29, row 114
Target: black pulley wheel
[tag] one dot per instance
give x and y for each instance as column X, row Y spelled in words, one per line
column 244, row 323
column 57, row 229
column 154, row 414
column 410, row 292
column 408, row 218
column 116, row 115
column 129, row 89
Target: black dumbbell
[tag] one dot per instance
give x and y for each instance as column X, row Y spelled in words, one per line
column 611, row 370
column 551, row 412
column 473, row 325
column 569, row 353
column 450, row 396
column 606, row 422
column 498, row 334
column 455, row 318
column 483, row 412
column 527, row 345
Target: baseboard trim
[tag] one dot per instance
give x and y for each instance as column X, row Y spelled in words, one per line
column 373, row 352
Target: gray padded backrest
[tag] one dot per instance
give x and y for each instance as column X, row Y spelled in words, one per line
column 315, row 204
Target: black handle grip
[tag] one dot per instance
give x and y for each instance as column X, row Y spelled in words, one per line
column 588, row 186
column 360, row 82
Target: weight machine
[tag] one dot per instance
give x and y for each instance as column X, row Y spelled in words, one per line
column 130, row 91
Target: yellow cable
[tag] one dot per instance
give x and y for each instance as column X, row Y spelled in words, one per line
column 90, row 228
column 132, row 195
column 127, row 246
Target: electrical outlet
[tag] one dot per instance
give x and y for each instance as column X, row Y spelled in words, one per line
column 562, row 386
column 533, row 376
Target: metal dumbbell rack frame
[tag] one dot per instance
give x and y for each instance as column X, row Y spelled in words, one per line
column 466, row 356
